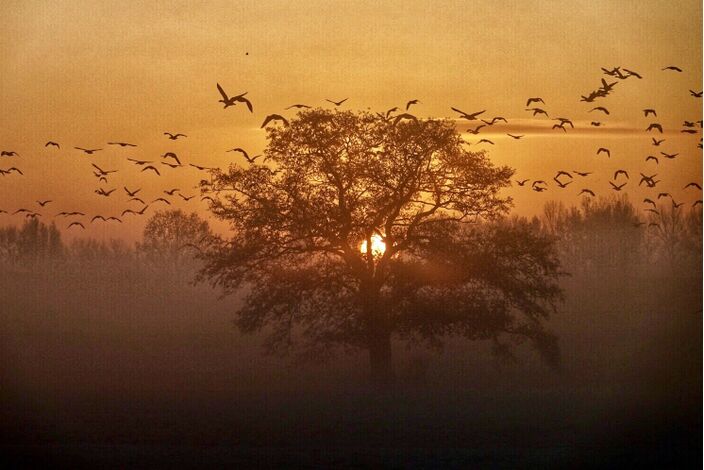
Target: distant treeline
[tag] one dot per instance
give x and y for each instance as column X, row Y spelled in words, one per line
column 600, row 233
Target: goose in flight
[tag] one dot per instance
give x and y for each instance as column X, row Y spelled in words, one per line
column 406, row 116
column 655, row 159
column 564, row 121
column 475, row 131
column 136, row 199
column 245, row 154
column 201, row 168
column 494, row 120
column 688, row 131
column 696, row 203
column 171, row 192
column 44, row 203
column 661, row 195
column 559, row 126
column 171, row 155
column 102, row 172
column 97, row 217
column 562, row 185
column 150, row 167
column 600, row 108
column 676, row 205
column 336, row 103
column 538, row 111
column 669, row 156
column 595, row 123
column 131, row 193
column 522, row 182
column 515, row 136
column 102, row 192
column 298, row 106
column 563, row 173
column 87, row 151
column 582, row 173
column 140, row 162
column 10, row 170
column 657, row 142
column 485, row 141
column 411, row 103
column 650, row 201
column 587, row 191
column 673, row 68
column 52, row 143
column 604, row 150
column 274, row 117
column 467, row 116
column 186, row 198
column 620, row 172
column 9, row 153
column 76, row 224
column 534, row 100
column 171, row 165
column 693, row 185
column 649, row 111
column 174, row 136
column 122, row 144
column 617, row 188
column 654, row 126
column 161, row 199
column 631, row 73
column 696, row 94
column 231, row 101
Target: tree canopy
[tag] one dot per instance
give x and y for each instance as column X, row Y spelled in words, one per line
column 443, row 259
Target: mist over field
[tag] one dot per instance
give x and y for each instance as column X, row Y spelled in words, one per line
column 112, row 355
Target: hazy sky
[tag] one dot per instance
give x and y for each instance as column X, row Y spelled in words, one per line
column 85, row 73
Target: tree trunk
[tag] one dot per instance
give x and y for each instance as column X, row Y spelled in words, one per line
column 381, row 365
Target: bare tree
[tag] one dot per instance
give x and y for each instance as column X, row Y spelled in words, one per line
column 356, row 228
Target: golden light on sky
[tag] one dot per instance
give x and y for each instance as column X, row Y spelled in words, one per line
column 86, row 73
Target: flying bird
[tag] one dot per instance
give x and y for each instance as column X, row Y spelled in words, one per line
column 140, row 162
column 150, row 167
column 87, row 151
column 655, row 126
column 9, row 153
column 600, row 108
column 604, row 150
column 534, row 100
column 693, row 185
column 617, row 188
column 475, row 131
column 162, row 200
column 174, row 136
column 696, row 94
column 657, row 142
column 650, row 157
column 274, row 117
column 44, row 203
column 407, row 116
column 522, row 182
column 171, row 155
column 467, row 116
column 485, row 141
column 171, row 165
column 620, row 172
column 538, row 111
column 131, row 193
column 76, row 224
column 186, row 198
column 336, row 103
column 122, row 144
column 650, row 111
column 51, row 142
column 672, row 67
column 587, row 191
column 231, row 101
column 298, row 106
column 582, row 173
column 515, row 136
column 245, row 154
column 171, row 192
column 669, row 156
column 410, row 103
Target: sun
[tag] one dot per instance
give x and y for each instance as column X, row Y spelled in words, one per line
column 378, row 245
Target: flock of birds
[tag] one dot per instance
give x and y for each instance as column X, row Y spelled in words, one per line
column 534, row 105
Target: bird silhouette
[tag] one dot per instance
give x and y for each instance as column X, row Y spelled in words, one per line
column 102, row 172
column 654, row 126
column 171, row 165
column 522, row 182
column 186, row 198
column 140, row 162
column 76, row 224
column 650, row 111
column 274, row 117
column 604, row 150
column 688, row 131
column 485, row 141
column 171, row 155
column 697, row 203
column 245, row 154
column 494, row 120
column 657, row 142
column 515, row 136
column 298, row 106
column 87, row 151
column 563, row 173
column 468, row 116
column 336, row 103
column 595, row 123
column 131, row 193
column 406, row 116
column 587, row 191
column 161, row 199
column 231, row 101
column 136, row 199
column 534, row 100
column 171, row 192
column 655, row 159
column 693, row 185
column 44, row 203
column 669, row 156
column 9, row 153
column 122, row 144
column 672, row 67
column 600, row 108
column 559, row 126
column 538, row 111
column 97, row 217
column 150, row 167
column 102, row 192
column 201, row 168
column 620, row 172
column 631, row 73
column 649, row 201
column 51, row 142
column 174, row 136
column 696, row 94
column 661, row 195
column 582, row 173
column 411, row 102
column 475, row 131
column 561, row 184
column 10, row 170
column 617, row 188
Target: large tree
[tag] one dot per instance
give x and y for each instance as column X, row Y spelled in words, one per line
column 440, row 262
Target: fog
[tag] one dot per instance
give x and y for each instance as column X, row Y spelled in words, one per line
column 112, row 357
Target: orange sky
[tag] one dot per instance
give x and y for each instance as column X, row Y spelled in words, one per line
column 85, row 73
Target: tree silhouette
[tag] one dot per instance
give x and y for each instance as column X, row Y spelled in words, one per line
column 333, row 183
column 170, row 237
